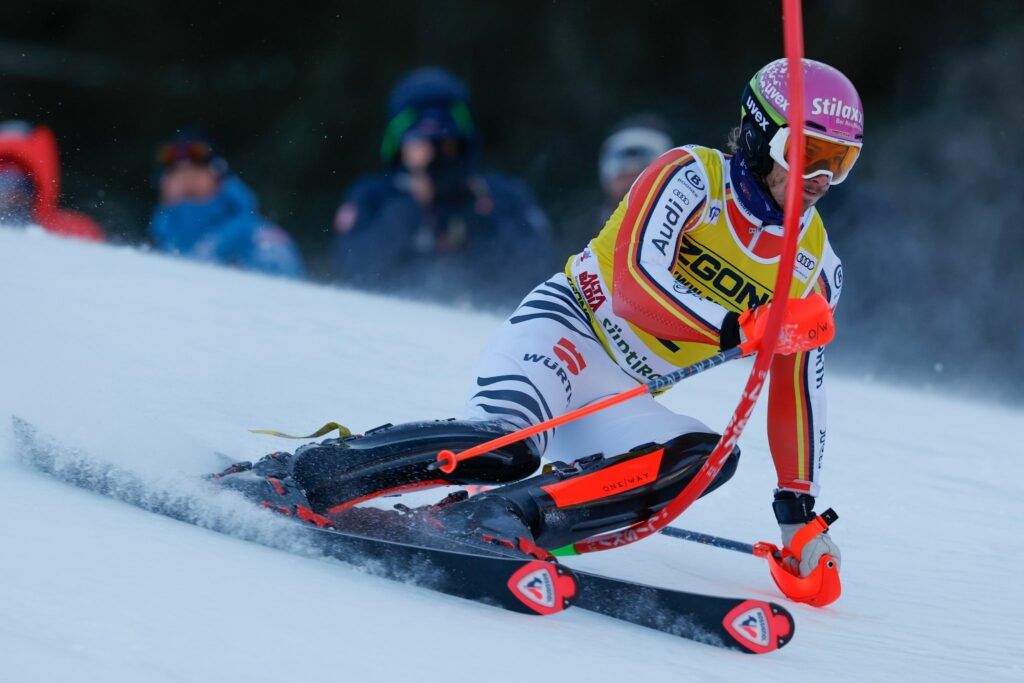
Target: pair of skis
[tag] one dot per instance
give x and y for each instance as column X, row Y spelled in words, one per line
column 489, row 574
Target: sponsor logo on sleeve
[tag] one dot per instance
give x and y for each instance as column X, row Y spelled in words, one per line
column 590, row 287
column 803, row 266
column 714, row 210
column 692, row 182
column 672, row 214
column 694, row 179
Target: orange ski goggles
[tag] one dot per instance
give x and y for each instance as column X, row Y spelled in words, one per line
column 823, row 155
column 197, row 152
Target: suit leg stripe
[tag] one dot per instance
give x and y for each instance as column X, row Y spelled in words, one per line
column 810, row 416
column 553, row 307
column 568, row 299
column 519, row 398
column 565, row 291
column 522, row 379
column 571, row 303
column 496, row 410
column 547, row 411
column 560, row 320
column 487, row 381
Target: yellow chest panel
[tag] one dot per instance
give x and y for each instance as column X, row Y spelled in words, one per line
column 726, row 258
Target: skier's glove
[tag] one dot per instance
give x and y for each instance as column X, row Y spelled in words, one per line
column 806, row 325
column 793, row 512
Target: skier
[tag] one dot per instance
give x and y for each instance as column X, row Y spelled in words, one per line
column 683, row 268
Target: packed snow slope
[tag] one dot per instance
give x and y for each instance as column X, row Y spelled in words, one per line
column 158, row 365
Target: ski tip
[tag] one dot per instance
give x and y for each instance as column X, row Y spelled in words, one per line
column 759, row 627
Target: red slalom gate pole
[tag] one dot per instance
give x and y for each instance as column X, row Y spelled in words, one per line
column 447, row 461
column 794, row 43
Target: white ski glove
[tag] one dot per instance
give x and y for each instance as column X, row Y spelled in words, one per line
column 793, row 511
column 822, row 544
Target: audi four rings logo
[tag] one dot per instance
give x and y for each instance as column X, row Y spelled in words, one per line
column 805, row 260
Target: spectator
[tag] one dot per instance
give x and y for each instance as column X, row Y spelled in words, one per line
column 633, row 145
column 432, row 224
column 207, row 213
column 30, row 183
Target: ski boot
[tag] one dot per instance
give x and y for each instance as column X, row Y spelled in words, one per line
column 392, row 459
column 484, row 525
column 269, row 483
column 571, row 502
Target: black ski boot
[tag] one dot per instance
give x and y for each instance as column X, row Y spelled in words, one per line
column 339, row 473
column 484, row 521
column 571, row 502
column 270, row 484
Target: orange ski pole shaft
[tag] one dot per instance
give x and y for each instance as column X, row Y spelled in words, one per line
column 447, row 461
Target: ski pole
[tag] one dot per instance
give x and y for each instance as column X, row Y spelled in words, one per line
column 447, row 461
column 708, row 539
column 819, row 588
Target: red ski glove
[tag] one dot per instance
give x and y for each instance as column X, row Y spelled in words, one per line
column 807, row 325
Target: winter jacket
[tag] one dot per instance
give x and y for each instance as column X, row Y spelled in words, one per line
column 226, row 229
column 486, row 242
column 35, row 152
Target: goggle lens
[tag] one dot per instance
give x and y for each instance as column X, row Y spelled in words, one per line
column 821, row 155
column 173, row 152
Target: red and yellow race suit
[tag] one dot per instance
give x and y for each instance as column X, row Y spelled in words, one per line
column 681, row 251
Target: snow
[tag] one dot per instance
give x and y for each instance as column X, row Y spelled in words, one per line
column 157, row 364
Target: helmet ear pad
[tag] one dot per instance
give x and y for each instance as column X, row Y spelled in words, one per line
column 754, row 146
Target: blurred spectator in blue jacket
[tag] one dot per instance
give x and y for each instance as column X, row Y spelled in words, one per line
column 433, row 224
column 207, row 213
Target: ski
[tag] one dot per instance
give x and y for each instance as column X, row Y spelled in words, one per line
column 490, row 574
column 749, row 626
column 521, row 584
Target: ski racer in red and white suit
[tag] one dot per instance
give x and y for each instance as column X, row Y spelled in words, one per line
column 693, row 246
column 684, row 267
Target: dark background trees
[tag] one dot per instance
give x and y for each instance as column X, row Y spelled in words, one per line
column 929, row 225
